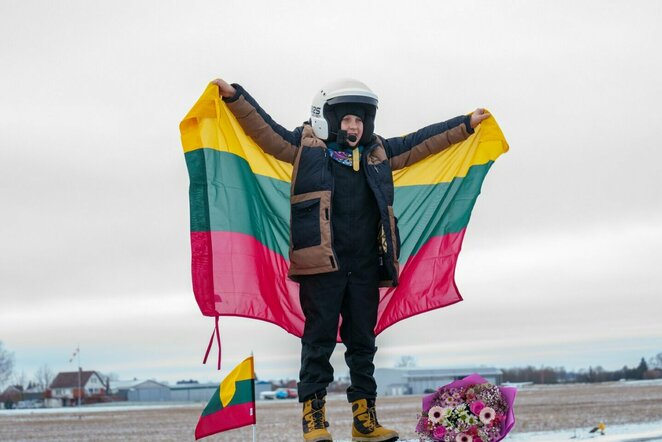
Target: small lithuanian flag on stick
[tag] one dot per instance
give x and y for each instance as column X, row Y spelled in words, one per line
column 233, row 403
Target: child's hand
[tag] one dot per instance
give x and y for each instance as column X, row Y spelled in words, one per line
column 478, row 116
column 225, row 90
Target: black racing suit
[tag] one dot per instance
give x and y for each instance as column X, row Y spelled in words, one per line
column 351, row 293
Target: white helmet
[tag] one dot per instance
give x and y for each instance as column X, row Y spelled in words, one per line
column 345, row 91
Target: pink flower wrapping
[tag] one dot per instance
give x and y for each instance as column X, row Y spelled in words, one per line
column 477, row 395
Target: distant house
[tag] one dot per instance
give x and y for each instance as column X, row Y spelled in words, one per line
column 11, row 396
column 34, row 396
column 65, row 386
column 399, row 381
column 34, row 393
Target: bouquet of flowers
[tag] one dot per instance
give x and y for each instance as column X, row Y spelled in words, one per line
column 468, row 410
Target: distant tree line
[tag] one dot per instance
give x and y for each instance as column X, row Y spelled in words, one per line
column 548, row 375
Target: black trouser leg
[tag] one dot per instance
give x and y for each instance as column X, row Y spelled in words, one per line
column 359, row 316
column 321, row 300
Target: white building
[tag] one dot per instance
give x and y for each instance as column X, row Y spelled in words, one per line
column 193, row 392
column 149, row 391
column 409, row 380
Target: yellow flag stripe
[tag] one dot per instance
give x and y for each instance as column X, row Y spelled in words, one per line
column 485, row 145
column 210, row 124
column 241, row 372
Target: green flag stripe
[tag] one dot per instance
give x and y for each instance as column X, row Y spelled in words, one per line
column 226, row 196
column 436, row 209
column 245, row 393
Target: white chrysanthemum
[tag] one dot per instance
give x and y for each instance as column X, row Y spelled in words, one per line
column 487, row 415
column 435, row 414
column 472, row 420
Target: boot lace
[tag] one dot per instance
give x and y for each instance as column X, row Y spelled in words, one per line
column 372, row 412
column 317, row 414
column 318, row 419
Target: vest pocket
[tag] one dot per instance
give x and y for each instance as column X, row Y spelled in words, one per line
column 305, row 224
column 311, row 250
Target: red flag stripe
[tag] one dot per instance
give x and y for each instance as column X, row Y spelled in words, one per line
column 228, row 418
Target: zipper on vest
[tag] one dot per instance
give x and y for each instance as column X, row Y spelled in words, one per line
column 325, row 167
column 329, row 211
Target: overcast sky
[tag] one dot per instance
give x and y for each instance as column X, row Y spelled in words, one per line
column 561, row 261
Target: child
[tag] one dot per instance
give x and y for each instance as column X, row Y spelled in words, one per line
column 344, row 241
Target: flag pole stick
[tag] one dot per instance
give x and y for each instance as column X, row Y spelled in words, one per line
column 254, row 401
column 80, row 369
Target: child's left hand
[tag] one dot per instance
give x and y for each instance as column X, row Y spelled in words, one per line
column 478, row 116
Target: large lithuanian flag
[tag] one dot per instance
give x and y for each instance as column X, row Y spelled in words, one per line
column 233, row 403
column 239, row 202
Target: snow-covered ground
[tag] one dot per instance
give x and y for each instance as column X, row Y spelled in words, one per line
column 123, row 406
column 649, row 432
column 541, row 414
column 617, row 433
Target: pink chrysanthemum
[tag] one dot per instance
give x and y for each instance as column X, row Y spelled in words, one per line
column 487, row 415
column 463, row 438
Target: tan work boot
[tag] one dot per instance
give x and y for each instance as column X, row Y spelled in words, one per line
column 365, row 427
column 314, row 421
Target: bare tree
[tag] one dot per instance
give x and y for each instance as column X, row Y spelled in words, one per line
column 406, row 361
column 112, row 376
column 656, row 361
column 6, row 365
column 44, row 376
column 20, row 380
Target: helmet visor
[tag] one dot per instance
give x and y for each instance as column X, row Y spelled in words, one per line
column 358, row 99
